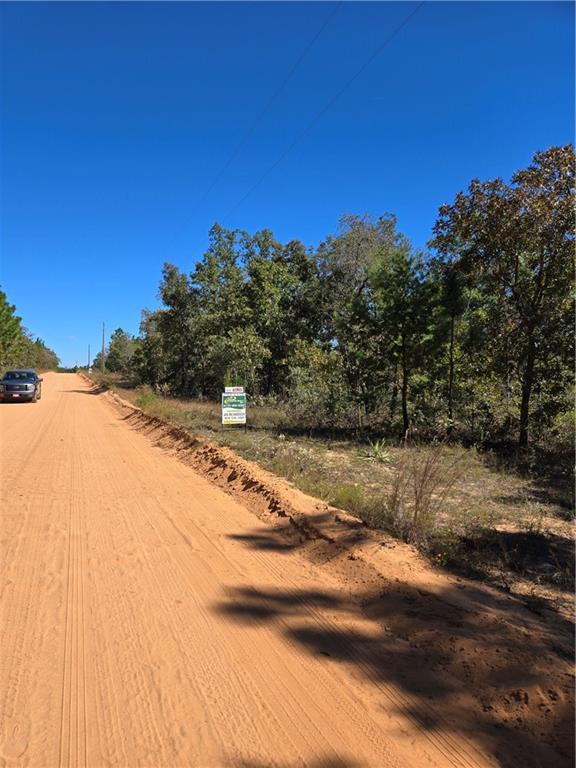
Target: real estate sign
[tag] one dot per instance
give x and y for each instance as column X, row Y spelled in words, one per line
column 233, row 408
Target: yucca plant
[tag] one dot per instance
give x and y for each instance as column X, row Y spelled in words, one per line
column 376, row 451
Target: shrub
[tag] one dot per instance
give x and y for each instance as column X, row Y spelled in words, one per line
column 421, row 483
column 146, row 399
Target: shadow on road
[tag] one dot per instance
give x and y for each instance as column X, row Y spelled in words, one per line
column 268, row 542
column 92, row 391
column 328, row 762
column 482, row 670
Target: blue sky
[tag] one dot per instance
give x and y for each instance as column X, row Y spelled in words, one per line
column 118, row 116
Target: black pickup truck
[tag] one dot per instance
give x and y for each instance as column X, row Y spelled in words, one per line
column 20, row 386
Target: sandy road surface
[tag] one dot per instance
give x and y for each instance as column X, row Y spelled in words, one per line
column 129, row 635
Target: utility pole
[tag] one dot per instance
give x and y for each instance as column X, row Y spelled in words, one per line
column 88, row 366
column 102, row 360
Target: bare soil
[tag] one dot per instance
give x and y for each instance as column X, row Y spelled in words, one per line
column 166, row 603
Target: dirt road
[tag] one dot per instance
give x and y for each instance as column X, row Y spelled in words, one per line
column 148, row 620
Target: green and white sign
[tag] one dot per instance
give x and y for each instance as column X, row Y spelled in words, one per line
column 233, row 409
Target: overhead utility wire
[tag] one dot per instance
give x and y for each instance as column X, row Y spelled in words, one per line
column 249, row 133
column 326, row 107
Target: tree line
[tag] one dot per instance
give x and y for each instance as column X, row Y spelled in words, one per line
column 472, row 338
column 18, row 348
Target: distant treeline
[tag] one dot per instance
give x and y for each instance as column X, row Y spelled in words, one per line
column 473, row 339
column 18, row 348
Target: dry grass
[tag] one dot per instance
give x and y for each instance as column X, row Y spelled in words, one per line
column 420, row 489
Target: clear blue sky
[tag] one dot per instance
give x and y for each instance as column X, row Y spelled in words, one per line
column 117, row 117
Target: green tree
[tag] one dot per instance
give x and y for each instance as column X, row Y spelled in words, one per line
column 120, row 351
column 318, row 394
column 280, row 295
column 453, row 304
column 402, row 311
column 44, row 358
column 11, row 331
column 221, row 310
column 148, row 361
column 515, row 242
column 346, row 302
column 176, row 324
column 18, row 348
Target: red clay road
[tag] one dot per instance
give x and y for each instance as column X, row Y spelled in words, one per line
column 145, row 622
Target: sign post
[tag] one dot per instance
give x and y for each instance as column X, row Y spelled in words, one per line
column 234, row 407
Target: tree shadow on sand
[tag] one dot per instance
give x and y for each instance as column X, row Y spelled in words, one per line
column 327, row 762
column 91, row 391
column 481, row 669
column 545, row 558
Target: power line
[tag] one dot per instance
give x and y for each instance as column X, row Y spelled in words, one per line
column 250, row 131
column 327, row 106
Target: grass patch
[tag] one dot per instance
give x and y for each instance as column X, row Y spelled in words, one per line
column 349, row 497
column 146, row 400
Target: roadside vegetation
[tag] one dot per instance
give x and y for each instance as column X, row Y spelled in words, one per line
column 365, row 335
column 18, row 348
column 430, row 393
column 462, row 507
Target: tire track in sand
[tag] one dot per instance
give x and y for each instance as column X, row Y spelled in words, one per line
column 73, row 718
